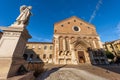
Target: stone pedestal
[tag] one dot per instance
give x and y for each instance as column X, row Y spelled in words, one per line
column 12, row 46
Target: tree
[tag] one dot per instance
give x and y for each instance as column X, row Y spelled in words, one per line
column 109, row 55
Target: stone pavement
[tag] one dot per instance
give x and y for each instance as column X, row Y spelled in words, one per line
column 80, row 72
column 69, row 74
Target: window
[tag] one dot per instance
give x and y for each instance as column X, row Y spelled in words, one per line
column 74, row 20
column 88, row 27
column 45, row 47
column 50, row 47
column 62, row 25
column 68, row 22
column 50, row 56
column 76, row 28
column 55, row 31
column 44, row 56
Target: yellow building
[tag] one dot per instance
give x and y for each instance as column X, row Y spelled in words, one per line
column 75, row 41
column 40, row 50
column 113, row 47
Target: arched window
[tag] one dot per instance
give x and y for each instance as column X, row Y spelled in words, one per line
column 50, row 56
column 50, row 47
column 45, row 47
column 44, row 56
column 61, row 53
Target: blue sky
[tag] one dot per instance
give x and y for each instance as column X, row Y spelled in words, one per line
column 104, row 14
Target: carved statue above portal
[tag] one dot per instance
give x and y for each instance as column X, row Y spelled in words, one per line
column 24, row 16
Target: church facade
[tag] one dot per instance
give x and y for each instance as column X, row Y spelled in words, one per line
column 76, row 41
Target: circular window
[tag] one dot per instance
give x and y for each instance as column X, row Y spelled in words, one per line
column 76, row 28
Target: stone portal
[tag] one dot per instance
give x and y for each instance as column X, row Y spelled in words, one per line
column 12, row 45
column 81, row 57
column 74, row 35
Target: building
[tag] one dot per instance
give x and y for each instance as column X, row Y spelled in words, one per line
column 40, row 50
column 113, row 47
column 75, row 41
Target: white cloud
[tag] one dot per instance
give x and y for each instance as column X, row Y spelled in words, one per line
column 95, row 11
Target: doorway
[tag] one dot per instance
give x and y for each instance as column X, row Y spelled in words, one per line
column 81, row 57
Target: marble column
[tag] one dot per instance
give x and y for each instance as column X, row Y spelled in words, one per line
column 64, row 44
column 72, row 51
column 94, row 44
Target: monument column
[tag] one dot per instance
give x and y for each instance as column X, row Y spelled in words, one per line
column 13, row 43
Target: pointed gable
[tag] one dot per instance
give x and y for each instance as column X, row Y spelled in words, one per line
column 74, row 25
column 72, row 18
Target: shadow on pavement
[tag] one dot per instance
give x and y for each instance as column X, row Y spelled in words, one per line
column 114, row 68
column 44, row 76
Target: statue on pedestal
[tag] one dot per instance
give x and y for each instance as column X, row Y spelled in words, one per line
column 24, row 16
column 15, row 37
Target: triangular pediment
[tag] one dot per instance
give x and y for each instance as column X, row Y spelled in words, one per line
column 74, row 25
column 73, row 18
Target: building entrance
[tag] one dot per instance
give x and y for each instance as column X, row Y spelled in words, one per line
column 81, row 57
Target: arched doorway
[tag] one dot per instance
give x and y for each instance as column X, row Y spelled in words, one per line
column 80, row 47
column 81, row 57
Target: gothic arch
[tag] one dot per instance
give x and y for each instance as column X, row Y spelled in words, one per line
column 68, row 53
column 90, row 38
column 60, row 53
column 66, row 36
column 78, row 37
column 95, row 38
column 60, row 37
column 72, row 39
